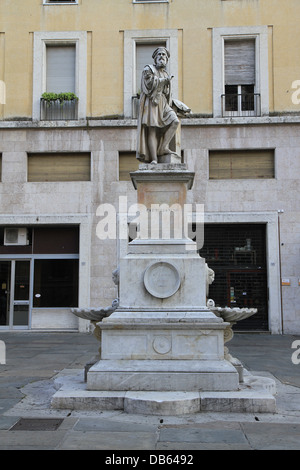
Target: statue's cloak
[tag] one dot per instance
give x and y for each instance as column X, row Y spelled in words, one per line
column 155, row 108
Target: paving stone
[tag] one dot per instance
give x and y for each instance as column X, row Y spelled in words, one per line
column 200, row 446
column 273, row 436
column 108, row 440
column 98, row 424
column 31, row 439
column 192, row 434
column 6, row 422
column 7, row 403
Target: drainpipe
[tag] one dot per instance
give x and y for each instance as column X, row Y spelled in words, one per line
column 280, row 211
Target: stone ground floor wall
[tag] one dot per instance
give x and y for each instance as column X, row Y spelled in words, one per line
column 274, row 201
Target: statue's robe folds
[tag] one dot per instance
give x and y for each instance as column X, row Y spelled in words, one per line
column 155, row 108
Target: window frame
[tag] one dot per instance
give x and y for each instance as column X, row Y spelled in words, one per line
column 131, row 39
column 64, row 2
column 41, row 40
column 150, row 1
column 219, row 36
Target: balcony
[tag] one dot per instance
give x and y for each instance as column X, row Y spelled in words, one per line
column 57, row 110
column 241, row 105
column 135, row 104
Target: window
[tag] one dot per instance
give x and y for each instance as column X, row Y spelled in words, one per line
column 56, row 278
column 150, row 1
column 55, row 283
column 143, row 56
column 60, row 78
column 144, row 53
column 46, row 2
column 43, row 167
column 55, row 240
column 127, row 163
column 138, row 48
column 240, row 71
column 60, row 61
column 60, row 68
column 240, row 98
column 234, row 164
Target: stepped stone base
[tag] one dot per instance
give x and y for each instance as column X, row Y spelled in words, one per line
column 248, row 399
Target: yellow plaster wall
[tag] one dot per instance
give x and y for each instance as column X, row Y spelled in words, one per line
column 105, row 21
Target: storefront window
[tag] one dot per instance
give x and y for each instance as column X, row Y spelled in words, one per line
column 55, row 283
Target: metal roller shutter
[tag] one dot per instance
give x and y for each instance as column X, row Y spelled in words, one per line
column 237, row 254
column 239, row 62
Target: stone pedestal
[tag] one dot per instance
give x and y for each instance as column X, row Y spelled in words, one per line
column 162, row 337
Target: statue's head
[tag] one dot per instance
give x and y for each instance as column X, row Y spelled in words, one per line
column 161, row 56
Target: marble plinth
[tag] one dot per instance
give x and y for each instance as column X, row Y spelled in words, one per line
column 162, row 350
column 168, row 335
column 162, row 375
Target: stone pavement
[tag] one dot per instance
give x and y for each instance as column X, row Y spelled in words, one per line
column 35, row 361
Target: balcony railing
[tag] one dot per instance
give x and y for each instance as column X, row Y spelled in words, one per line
column 135, row 104
column 60, row 1
column 241, row 105
column 56, row 110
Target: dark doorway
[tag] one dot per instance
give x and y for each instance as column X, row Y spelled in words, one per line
column 237, row 254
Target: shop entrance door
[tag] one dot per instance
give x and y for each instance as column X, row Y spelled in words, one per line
column 14, row 293
column 237, row 254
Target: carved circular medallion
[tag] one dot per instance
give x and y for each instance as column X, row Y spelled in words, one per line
column 162, row 344
column 162, row 279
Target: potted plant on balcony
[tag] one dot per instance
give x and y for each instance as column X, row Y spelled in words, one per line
column 58, row 106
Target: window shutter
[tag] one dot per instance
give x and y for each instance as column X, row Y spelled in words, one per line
column 240, row 62
column 60, row 69
column 245, row 164
column 144, row 57
column 127, row 163
column 59, row 167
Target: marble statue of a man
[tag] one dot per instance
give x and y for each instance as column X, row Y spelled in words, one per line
column 157, row 121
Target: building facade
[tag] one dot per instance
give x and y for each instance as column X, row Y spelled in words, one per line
column 69, row 90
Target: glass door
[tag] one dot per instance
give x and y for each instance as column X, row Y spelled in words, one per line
column 14, row 293
column 20, row 310
column 5, row 283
